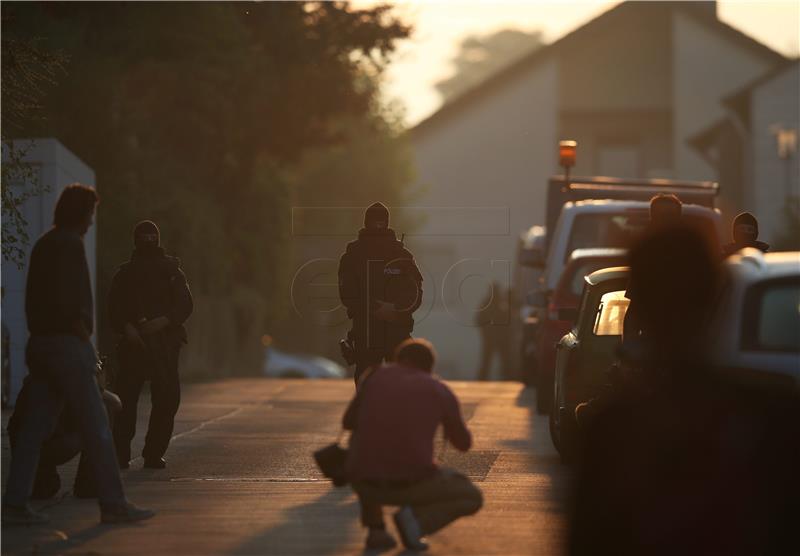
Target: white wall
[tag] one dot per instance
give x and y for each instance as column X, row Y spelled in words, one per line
column 706, row 67
column 486, row 170
column 56, row 168
column 775, row 103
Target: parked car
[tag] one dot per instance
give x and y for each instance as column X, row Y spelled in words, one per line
column 607, row 223
column 278, row 364
column 757, row 323
column 528, row 281
column 562, row 310
column 587, row 351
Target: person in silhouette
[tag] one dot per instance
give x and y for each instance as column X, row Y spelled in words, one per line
column 493, row 320
column 744, row 233
column 381, row 287
column 148, row 303
column 683, row 458
column 59, row 307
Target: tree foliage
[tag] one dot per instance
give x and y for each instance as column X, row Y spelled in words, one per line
column 479, row 57
column 28, row 71
column 198, row 115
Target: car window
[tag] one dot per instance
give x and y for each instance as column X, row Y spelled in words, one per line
column 621, row 229
column 778, row 317
column 605, row 230
column 585, row 269
column 610, row 314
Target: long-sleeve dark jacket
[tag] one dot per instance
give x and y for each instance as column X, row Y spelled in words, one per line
column 150, row 285
column 58, row 293
column 377, row 267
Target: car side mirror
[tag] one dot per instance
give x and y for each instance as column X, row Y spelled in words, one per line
column 568, row 314
column 533, row 257
column 536, row 299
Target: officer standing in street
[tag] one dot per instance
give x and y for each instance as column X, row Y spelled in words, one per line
column 148, row 303
column 381, row 287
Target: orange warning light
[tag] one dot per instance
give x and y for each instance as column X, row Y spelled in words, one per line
column 567, row 153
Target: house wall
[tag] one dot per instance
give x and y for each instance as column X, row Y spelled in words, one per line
column 615, row 94
column 485, row 171
column 55, row 167
column 706, row 67
column 774, row 105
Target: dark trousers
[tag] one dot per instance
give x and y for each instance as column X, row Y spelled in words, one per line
column 376, row 346
column 436, row 502
column 63, row 445
column 158, row 363
column 63, row 376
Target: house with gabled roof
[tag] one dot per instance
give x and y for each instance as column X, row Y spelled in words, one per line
column 631, row 86
column 754, row 148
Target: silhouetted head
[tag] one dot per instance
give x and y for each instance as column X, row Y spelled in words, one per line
column 75, row 208
column 417, row 353
column 676, row 276
column 146, row 235
column 745, row 228
column 376, row 217
column 665, row 210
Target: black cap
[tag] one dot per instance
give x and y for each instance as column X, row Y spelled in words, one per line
column 146, row 233
column 376, row 216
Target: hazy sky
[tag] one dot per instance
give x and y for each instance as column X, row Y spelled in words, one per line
column 439, row 26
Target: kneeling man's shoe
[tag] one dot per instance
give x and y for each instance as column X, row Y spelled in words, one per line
column 23, row 515
column 409, row 529
column 380, row 539
column 159, row 463
column 125, row 513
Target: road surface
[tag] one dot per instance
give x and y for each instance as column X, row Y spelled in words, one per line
column 241, row 480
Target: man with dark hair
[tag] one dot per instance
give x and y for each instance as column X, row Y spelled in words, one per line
column 665, row 212
column 394, row 418
column 745, row 234
column 62, row 361
column 381, row 287
column 685, row 458
column 148, row 303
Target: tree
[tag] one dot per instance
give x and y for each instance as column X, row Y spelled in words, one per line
column 481, row 56
column 28, row 70
column 196, row 116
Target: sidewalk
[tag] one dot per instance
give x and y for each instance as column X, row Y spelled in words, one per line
column 241, row 480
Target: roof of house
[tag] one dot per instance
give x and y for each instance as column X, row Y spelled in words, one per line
column 739, row 103
column 739, row 100
column 696, row 10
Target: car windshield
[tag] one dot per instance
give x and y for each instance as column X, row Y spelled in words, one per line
column 779, row 318
column 611, row 314
column 621, row 229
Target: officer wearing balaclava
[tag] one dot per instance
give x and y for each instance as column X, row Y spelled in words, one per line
column 148, row 303
column 381, row 287
column 745, row 234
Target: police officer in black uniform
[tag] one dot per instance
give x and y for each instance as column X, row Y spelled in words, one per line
column 148, row 303
column 745, row 234
column 381, row 287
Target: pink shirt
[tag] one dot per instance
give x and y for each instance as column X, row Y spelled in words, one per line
column 394, row 417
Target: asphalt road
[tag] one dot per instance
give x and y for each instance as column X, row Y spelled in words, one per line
column 241, row 480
